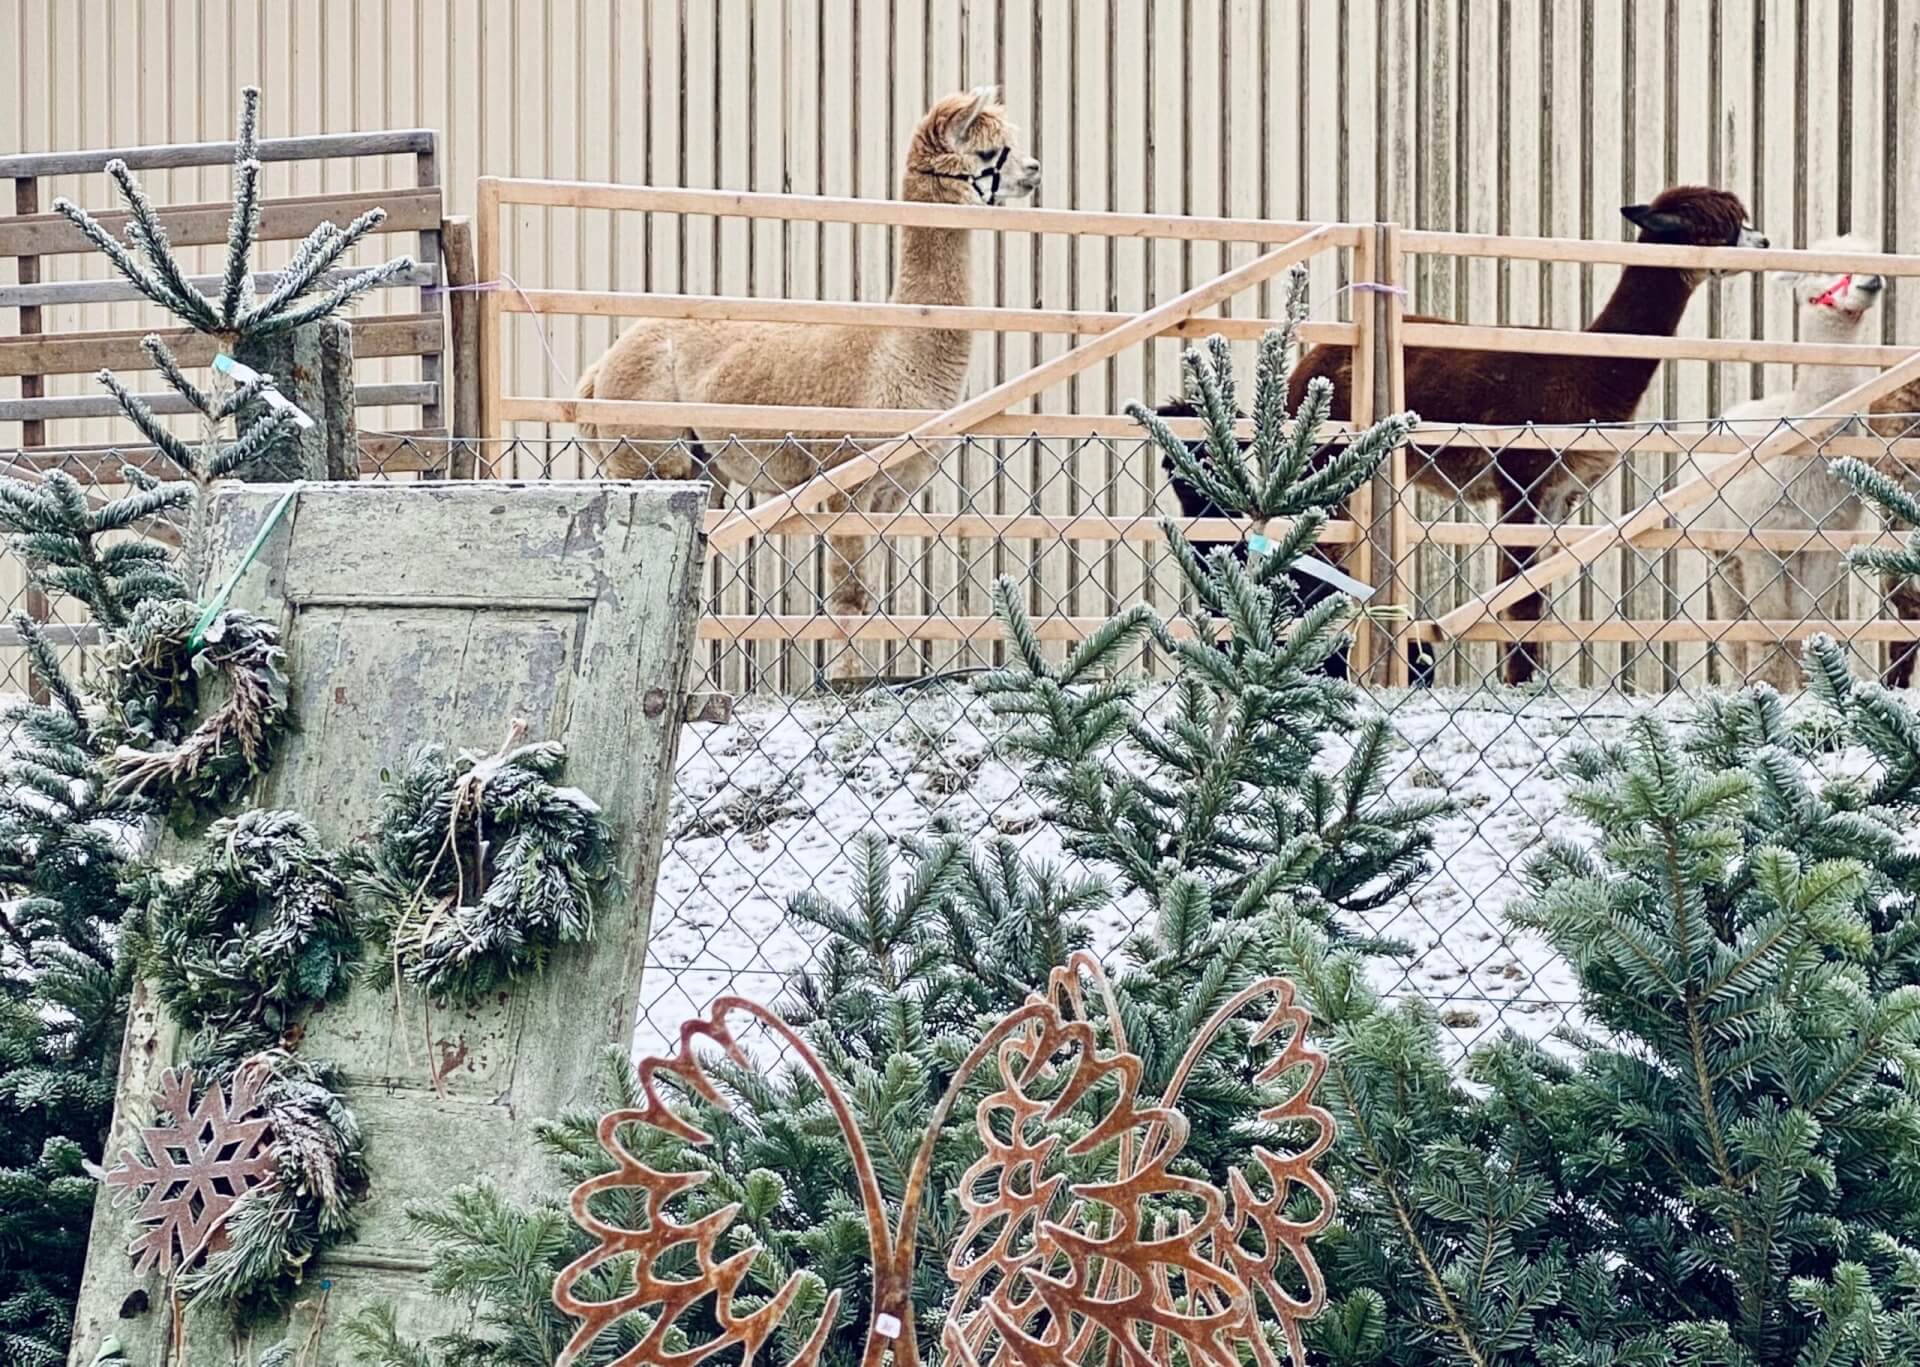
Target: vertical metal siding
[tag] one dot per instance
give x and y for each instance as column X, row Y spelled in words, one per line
column 1503, row 115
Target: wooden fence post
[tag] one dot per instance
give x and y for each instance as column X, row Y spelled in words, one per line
column 463, row 322
column 1390, row 375
column 33, row 432
column 1362, row 410
column 486, row 212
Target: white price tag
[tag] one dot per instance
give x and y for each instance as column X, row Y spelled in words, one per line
column 886, row 1326
column 273, row 398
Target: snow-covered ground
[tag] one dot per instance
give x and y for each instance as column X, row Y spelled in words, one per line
column 763, row 805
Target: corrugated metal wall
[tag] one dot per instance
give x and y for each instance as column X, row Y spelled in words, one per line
column 1524, row 116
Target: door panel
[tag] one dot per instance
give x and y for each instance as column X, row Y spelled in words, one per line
column 438, row 613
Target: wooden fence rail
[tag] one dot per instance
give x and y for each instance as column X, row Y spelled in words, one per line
column 1379, row 333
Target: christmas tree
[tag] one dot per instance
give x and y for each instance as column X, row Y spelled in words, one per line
column 1220, row 782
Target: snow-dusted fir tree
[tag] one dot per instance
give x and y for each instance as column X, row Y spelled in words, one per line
column 1220, row 783
column 247, row 428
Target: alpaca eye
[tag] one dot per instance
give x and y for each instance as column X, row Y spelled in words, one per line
column 988, row 154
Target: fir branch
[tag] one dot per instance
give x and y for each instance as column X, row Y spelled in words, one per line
column 342, row 294
column 306, row 270
column 142, row 417
column 169, row 368
column 244, row 224
column 146, row 230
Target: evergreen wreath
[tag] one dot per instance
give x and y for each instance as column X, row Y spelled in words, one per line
column 254, row 933
column 157, row 675
column 480, row 867
column 274, row 1232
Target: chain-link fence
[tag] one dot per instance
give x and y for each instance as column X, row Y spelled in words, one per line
column 832, row 689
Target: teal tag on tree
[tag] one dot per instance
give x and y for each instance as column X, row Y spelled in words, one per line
column 1259, row 543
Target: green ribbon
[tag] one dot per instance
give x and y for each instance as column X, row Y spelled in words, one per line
column 219, row 600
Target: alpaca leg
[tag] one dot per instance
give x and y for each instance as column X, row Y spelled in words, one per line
column 1727, row 602
column 638, row 368
column 1521, row 660
column 847, row 592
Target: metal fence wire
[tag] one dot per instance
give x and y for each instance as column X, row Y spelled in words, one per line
column 822, row 707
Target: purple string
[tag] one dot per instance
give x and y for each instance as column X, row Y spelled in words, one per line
column 509, row 282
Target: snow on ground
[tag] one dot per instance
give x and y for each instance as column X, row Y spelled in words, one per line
column 763, row 804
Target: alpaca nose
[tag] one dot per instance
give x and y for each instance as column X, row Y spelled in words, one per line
column 1872, row 284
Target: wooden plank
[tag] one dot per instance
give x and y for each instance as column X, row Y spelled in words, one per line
column 487, row 246
column 34, row 601
column 156, row 156
column 106, row 406
column 967, row 416
column 73, row 292
column 1598, row 252
column 898, row 627
column 1549, row 342
column 1624, row 631
column 1621, row 440
column 463, row 312
column 1086, row 526
column 413, row 452
column 897, row 212
column 408, row 334
column 195, row 225
column 745, row 308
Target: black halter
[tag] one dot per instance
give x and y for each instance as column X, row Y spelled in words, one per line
column 989, row 174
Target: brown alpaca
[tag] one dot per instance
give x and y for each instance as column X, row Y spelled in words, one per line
column 1499, row 388
column 962, row 153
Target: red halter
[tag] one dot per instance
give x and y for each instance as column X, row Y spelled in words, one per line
column 1831, row 298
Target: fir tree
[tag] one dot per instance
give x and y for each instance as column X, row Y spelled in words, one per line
column 64, row 842
column 1224, row 787
column 1727, row 1175
column 305, row 291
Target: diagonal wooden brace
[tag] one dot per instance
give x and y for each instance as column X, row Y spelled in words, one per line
column 1700, row 489
column 851, row 474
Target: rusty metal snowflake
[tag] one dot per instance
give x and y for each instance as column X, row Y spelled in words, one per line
column 197, row 1164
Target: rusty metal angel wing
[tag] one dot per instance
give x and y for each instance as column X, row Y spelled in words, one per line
column 1084, row 1238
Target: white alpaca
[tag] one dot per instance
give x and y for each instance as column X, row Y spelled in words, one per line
column 1794, row 493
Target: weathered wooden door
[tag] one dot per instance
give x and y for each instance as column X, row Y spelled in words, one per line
column 438, row 613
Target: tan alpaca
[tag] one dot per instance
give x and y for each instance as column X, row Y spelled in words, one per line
column 962, row 153
column 1793, row 493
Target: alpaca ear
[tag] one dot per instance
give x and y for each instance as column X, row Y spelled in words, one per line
column 978, row 99
column 1652, row 220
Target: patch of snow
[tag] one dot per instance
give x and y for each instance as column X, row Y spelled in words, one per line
column 764, row 804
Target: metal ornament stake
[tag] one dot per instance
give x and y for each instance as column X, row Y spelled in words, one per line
column 1138, row 1265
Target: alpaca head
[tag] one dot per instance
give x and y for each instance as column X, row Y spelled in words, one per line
column 1694, row 216
column 1835, row 302
column 965, row 152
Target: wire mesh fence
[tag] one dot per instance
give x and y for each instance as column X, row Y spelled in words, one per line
column 832, row 686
